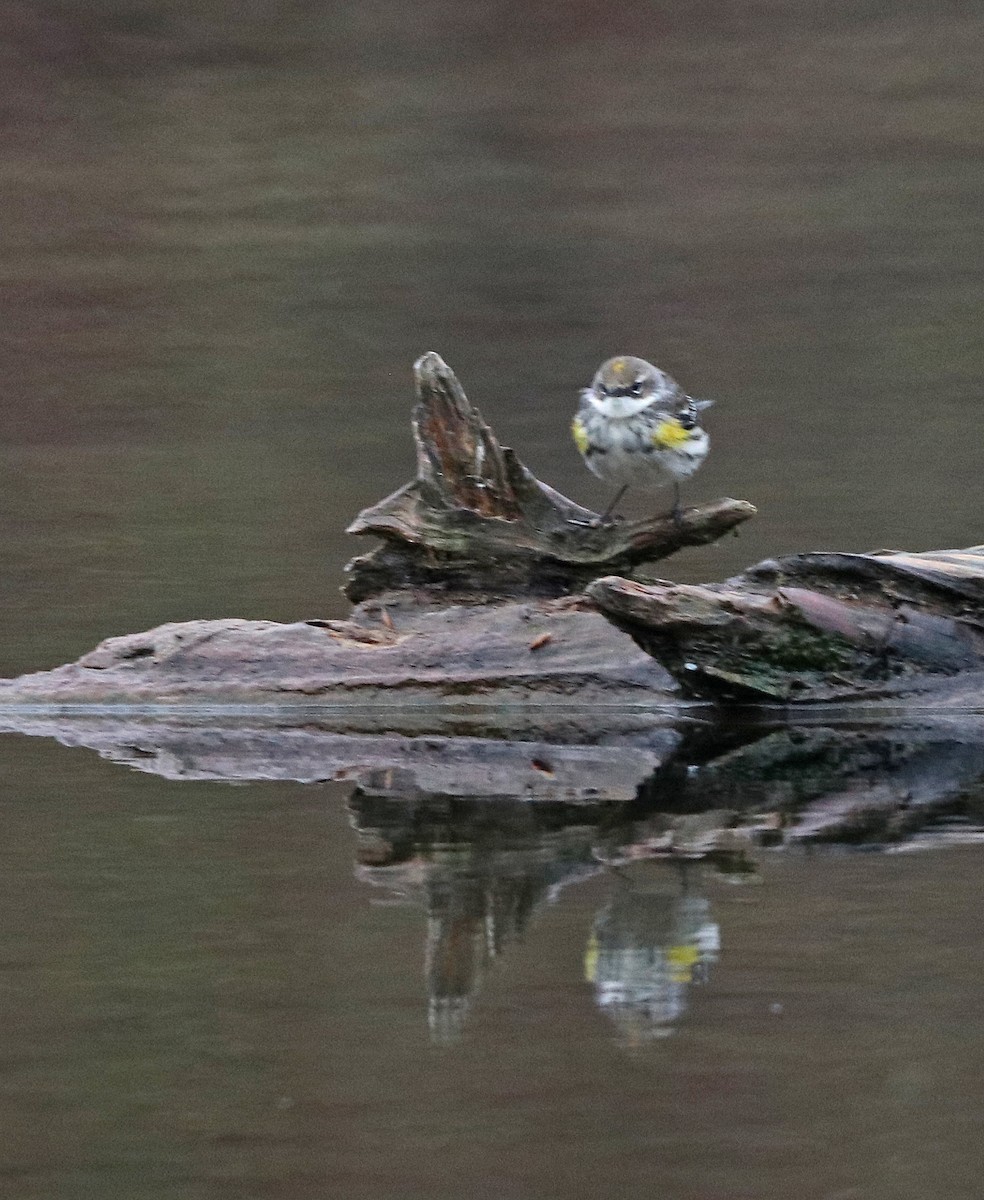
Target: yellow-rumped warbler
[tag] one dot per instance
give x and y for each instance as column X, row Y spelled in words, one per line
column 636, row 427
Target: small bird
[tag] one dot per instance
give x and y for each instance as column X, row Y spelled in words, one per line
column 636, row 427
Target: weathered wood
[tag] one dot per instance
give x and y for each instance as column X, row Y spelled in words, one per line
column 465, row 617
column 476, row 520
column 421, row 666
column 463, row 605
column 818, row 627
column 876, row 629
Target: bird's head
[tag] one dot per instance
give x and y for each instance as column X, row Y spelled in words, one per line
column 625, row 385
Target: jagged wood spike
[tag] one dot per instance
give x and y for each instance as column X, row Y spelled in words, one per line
column 458, row 456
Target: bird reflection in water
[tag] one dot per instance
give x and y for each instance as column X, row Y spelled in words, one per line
column 652, row 941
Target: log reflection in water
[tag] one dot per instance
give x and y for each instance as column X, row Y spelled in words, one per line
column 481, row 867
column 482, row 832
column 858, row 785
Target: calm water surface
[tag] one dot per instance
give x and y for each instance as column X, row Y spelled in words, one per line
column 284, row 990
column 227, row 232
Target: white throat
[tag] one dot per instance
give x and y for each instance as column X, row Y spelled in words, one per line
column 617, row 408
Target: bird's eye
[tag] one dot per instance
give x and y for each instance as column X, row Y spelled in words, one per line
column 636, row 389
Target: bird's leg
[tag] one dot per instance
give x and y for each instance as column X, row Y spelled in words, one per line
column 606, row 517
column 676, row 512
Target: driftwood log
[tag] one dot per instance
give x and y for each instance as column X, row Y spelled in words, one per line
column 492, row 596
column 396, row 664
column 472, row 600
column 818, row 628
column 475, row 669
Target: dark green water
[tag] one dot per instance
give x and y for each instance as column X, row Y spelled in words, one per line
column 228, row 229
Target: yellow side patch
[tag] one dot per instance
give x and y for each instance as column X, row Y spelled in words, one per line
column 670, row 435
column 580, row 435
column 682, row 960
column 591, row 954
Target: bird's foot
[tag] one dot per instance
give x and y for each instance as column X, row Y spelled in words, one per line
column 604, row 521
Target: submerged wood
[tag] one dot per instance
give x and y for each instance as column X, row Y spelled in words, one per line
column 818, row 628
column 476, row 520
